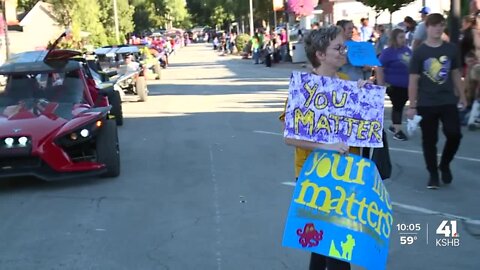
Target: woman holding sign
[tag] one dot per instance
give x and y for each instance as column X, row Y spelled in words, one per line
column 326, row 52
column 394, row 72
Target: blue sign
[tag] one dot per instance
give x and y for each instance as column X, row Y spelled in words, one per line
column 362, row 54
column 341, row 209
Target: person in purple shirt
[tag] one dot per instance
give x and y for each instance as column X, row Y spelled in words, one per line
column 394, row 74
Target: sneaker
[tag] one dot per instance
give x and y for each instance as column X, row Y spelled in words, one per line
column 400, row 136
column 447, row 176
column 433, row 182
column 392, row 129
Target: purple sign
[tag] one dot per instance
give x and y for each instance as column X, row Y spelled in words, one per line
column 330, row 110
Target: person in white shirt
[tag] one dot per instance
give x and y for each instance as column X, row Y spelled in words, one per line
column 366, row 31
column 420, row 34
column 130, row 66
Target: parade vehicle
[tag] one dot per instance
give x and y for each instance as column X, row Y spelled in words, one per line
column 54, row 125
column 130, row 79
column 154, row 57
column 97, row 79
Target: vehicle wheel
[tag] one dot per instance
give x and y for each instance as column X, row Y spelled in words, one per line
column 116, row 102
column 157, row 70
column 163, row 64
column 108, row 151
column 141, row 88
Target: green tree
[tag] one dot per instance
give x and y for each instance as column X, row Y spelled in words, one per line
column 81, row 16
column 176, row 10
column 154, row 14
column 26, row 5
column 220, row 16
column 390, row 5
column 141, row 17
column 125, row 18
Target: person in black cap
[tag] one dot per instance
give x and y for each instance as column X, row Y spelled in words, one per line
column 421, row 32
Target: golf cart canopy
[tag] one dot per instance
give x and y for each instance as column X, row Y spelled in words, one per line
column 112, row 50
column 40, row 62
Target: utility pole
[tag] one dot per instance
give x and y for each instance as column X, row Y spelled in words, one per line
column 251, row 18
column 454, row 21
column 5, row 30
column 274, row 19
column 115, row 16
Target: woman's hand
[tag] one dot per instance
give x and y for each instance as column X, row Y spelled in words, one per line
column 362, row 83
column 411, row 112
column 340, row 147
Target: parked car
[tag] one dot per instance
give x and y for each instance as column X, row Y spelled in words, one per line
column 54, row 126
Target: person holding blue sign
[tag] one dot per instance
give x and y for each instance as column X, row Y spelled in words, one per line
column 354, row 73
column 326, row 52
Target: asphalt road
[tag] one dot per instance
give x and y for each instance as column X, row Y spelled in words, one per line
column 206, row 183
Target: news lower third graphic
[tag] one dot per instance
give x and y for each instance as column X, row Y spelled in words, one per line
column 444, row 234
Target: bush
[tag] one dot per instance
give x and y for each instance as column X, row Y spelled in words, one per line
column 241, row 41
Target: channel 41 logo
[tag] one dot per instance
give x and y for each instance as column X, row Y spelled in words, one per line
column 447, row 229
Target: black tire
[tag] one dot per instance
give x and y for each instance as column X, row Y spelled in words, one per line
column 141, row 88
column 157, row 71
column 108, row 151
column 163, row 64
column 116, row 102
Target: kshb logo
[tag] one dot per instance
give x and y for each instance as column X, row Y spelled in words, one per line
column 447, row 229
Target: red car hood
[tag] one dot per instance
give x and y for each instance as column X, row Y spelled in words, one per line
column 43, row 121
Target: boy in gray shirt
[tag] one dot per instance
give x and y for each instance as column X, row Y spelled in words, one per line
column 434, row 92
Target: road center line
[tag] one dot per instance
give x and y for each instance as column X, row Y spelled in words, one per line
column 391, row 148
column 216, row 206
column 420, row 210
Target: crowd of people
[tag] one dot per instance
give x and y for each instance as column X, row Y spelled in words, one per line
column 419, row 66
column 264, row 47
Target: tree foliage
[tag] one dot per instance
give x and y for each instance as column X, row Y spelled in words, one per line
column 26, row 5
column 382, row 5
column 97, row 17
column 203, row 11
column 81, row 16
column 154, row 14
column 125, row 17
column 220, row 16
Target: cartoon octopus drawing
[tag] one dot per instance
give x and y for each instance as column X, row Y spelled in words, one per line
column 309, row 236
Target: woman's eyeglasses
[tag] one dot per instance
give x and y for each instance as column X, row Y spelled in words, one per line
column 342, row 49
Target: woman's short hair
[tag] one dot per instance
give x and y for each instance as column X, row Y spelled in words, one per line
column 318, row 41
column 392, row 42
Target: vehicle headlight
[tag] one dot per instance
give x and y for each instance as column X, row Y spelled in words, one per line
column 80, row 135
column 9, row 142
column 22, row 141
column 84, row 133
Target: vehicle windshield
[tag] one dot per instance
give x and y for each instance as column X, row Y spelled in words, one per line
column 50, row 87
